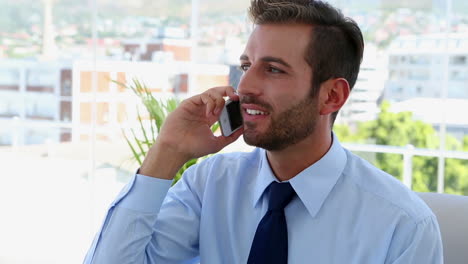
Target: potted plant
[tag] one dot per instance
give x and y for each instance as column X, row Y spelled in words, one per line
column 158, row 111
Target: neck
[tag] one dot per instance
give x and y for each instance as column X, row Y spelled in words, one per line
column 289, row 162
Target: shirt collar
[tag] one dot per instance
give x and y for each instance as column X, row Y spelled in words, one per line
column 265, row 177
column 313, row 184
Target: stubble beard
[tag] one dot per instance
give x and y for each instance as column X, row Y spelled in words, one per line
column 287, row 128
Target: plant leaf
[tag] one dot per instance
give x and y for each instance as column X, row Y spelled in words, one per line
column 135, row 154
column 138, row 142
column 143, row 130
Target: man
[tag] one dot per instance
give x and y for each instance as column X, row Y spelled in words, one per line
column 297, row 198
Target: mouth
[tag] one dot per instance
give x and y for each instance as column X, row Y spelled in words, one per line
column 255, row 112
column 252, row 112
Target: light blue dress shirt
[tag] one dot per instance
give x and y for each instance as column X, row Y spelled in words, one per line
column 345, row 211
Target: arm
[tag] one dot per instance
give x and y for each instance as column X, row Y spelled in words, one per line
column 417, row 243
column 186, row 134
column 136, row 230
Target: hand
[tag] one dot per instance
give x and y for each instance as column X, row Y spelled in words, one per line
column 187, row 134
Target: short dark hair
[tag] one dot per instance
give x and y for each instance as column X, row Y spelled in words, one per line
column 337, row 45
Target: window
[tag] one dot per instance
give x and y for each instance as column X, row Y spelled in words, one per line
column 458, row 60
column 459, row 75
column 41, row 106
column 393, row 60
column 41, row 80
column 11, row 106
column 65, row 82
column 65, row 111
column 419, row 59
column 9, row 79
column 418, row 74
column 63, row 108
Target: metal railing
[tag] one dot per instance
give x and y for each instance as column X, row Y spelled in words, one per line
column 408, row 152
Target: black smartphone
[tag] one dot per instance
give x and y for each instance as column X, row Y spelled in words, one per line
column 230, row 119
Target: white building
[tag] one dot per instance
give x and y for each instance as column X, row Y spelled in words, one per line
column 420, row 66
column 35, row 101
column 362, row 104
column 115, row 106
column 53, row 101
column 436, row 111
column 424, row 68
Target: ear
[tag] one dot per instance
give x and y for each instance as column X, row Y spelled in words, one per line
column 333, row 95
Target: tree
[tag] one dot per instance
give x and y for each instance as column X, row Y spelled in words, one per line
column 399, row 129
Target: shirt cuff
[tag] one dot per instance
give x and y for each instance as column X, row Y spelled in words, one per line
column 146, row 195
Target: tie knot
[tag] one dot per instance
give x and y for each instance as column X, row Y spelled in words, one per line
column 280, row 195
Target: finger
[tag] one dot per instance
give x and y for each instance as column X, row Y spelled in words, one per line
column 218, row 102
column 223, row 141
column 209, row 103
column 224, row 91
column 214, row 98
column 232, row 94
column 219, row 106
column 234, row 136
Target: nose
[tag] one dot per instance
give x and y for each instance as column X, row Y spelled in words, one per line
column 249, row 84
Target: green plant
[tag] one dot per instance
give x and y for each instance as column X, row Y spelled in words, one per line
column 400, row 129
column 158, row 111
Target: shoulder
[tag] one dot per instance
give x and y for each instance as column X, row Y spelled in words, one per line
column 230, row 160
column 224, row 172
column 384, row 189
column 220, row 165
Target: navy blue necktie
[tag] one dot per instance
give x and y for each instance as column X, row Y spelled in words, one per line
column 270, row 244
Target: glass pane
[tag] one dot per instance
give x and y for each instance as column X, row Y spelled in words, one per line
column 400, row 73
column 65, row 110
column 44, row 191
column 411, row 86
column 456, row 176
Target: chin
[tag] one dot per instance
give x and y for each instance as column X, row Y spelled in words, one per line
column 252, row 138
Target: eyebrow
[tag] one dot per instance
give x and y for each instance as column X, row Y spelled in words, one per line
column 268, row 59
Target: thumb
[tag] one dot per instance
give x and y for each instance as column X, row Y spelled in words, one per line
column 222, row 141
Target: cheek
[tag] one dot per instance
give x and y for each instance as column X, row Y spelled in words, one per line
column 290, row 98
column 283, row 93
column 285, row 102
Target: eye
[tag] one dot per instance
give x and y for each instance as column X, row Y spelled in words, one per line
column 274, row 70
column 244, row 67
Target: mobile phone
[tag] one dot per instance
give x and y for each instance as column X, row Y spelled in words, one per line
column 230, row 119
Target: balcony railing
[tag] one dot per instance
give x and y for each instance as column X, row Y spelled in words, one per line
column 408, row 152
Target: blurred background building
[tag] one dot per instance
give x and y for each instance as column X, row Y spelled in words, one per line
column 417, row 66
column 36, row 101
column 62, row 115
column 428, row 76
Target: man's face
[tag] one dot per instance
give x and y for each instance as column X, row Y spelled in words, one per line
column 275, row 88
